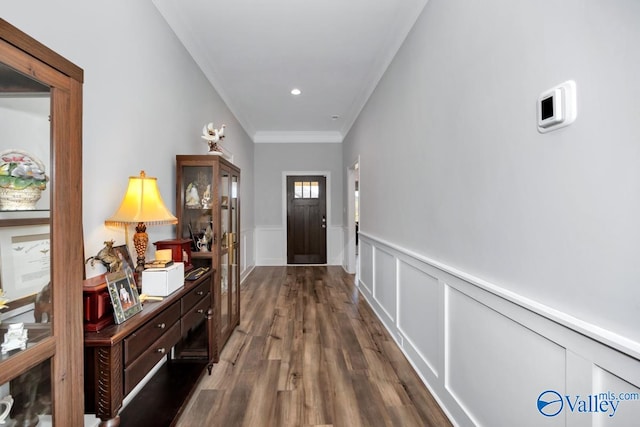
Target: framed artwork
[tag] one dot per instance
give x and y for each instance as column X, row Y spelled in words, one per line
column 25, row 261
column 124, row 295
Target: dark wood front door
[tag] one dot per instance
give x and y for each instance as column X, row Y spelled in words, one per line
column 306, row 220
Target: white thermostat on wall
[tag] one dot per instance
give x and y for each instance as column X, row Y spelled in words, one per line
column 557, row 107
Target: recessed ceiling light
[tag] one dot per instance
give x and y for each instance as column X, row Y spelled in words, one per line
column 296, row 91
column 335, row 117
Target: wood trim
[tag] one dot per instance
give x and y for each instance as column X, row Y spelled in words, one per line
column 68, row 264
column 65, row 347
column 30, row 66
column 17, row 222
column 29, row 358
column 108, row 374
column 36, row 49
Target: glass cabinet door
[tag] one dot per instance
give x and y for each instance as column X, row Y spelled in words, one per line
column 235, row 249
column 25, row 243
column 26, row 296
column 40, row 157
column 226, row 245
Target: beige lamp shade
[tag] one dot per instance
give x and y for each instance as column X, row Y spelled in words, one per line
column 142, row 203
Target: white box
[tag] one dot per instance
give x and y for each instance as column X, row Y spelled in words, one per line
column 163, row 281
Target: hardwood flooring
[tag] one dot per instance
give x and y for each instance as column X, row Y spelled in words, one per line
column 309, row 352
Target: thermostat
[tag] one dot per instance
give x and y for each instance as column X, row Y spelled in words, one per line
column 557, row 107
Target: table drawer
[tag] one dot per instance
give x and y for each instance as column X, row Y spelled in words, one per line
column 148, row 359
column 140, row 340
column 195, row 295
column 196, row 315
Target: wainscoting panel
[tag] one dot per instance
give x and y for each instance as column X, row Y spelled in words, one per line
column 271, row 245
column 366, row 269
column 384, row 284
column 491, row 357
column 420, row 292
column 247, row 261
column 622, row 397
column 335, row 247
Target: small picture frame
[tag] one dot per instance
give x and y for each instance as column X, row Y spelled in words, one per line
column 124, row 295
column 123, row 254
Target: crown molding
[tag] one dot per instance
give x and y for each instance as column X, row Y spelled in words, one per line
column 297, row 137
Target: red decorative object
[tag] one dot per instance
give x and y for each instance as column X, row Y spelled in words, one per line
column 98, row 311
column 179, row 247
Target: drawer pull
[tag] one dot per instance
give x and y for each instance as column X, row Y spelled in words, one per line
column 161, row 350
column 161, row 325
column 200, row 293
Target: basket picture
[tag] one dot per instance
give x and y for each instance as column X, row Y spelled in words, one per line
column 22, row 180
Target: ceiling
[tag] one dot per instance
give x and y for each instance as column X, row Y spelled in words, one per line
column 255, row 52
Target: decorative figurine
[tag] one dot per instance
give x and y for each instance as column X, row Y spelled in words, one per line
column 208, row 233
column 7, row 402
column 212, row 136
column 203, row 244
column 206, row 198
column 16, row 337
column 192, row 199
column 43, row 305
column 108, row 257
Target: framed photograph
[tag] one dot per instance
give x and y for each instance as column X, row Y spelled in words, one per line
column 123, row 253
column 124, row 295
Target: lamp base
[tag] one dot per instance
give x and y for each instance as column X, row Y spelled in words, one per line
column 140, row 242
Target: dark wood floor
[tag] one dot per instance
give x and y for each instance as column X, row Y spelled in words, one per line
column 310, row 352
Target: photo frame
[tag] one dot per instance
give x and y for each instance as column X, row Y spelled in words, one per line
column 124, row 295
column 123, row 253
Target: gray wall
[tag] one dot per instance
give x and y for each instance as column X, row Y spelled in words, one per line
column 553, row 217
column 145, row 101
column 273, row 159
column 499, row 258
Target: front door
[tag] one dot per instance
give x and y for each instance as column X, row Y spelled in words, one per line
column 306, row 220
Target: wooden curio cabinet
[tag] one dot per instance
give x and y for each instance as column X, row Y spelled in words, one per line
column 208, row 211
column 41, row 265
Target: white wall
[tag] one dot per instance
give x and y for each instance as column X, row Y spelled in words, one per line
column 272, row 162
column 24, row 125
column 519, row 244
column 145, row 101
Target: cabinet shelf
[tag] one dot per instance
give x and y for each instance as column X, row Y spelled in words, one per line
column 202, row 255
column 163, row 395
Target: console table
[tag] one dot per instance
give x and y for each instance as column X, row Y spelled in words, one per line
column 118, row 357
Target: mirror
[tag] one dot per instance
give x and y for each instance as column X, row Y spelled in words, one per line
column 25, row 256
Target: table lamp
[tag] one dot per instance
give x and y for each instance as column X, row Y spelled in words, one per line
column 141, row 205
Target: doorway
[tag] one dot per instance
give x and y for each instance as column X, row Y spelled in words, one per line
column 306, row 219
column 353, row 217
